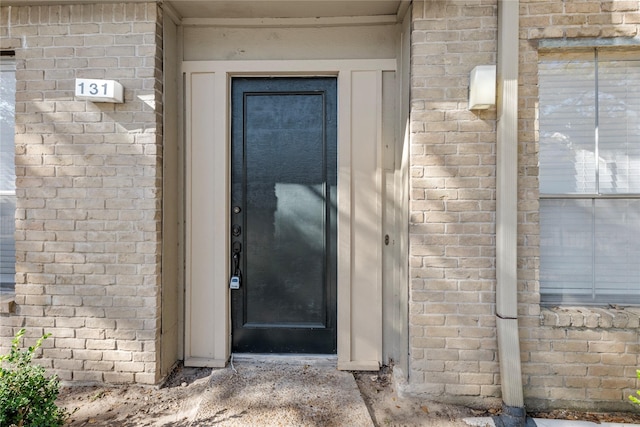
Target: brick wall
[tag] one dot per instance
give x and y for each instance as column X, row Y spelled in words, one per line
column 452, row 224
column 572, row 356
column 88, row 188
column 89, row 193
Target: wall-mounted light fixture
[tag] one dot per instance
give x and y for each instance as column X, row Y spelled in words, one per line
column 482, row 87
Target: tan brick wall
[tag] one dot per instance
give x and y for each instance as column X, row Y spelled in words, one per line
column 572, row 357
column 452, row 206
column 88, row 188
column 89, row 191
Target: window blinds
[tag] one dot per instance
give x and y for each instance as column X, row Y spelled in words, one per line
column 7, row 174
column 589, row 120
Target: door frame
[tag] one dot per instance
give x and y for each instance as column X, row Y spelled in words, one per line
column 206, row 132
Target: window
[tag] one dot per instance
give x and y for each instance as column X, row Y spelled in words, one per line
column 589, row 119
column 7, row 174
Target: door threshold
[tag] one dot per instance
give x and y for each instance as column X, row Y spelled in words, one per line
column 287, row 358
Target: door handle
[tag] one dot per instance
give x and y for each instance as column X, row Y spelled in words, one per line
column 234, row 282
column 236, row 230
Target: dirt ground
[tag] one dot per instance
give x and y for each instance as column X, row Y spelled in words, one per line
column 387, row 409
column 177, row 401
column 131, row 406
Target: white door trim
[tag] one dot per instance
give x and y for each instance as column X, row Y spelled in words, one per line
column 207, row 142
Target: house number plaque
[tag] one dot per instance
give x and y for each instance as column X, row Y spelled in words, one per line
column 99, row 90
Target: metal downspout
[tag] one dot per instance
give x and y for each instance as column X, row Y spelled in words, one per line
column 513, row 413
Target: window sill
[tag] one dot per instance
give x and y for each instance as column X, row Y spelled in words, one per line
column 7, row 303
column 590, row 317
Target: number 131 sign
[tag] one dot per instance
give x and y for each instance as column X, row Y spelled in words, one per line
column 99, row 90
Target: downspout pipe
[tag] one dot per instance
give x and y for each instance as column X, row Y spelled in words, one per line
column 513, row 411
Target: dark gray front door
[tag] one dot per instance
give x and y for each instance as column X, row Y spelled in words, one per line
column 283, row 219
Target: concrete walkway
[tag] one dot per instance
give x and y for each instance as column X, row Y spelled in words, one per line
column 539, row 422
column 279, row 391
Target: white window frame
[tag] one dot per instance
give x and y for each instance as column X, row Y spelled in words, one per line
column 7, row 64
column 552, row 293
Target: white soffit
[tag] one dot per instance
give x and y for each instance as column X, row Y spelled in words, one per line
column 284, row 9
column 256, row 9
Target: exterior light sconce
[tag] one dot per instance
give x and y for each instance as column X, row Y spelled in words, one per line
column 482, row 87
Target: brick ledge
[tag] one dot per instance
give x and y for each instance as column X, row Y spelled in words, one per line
column 7, row 304
column 590, row 317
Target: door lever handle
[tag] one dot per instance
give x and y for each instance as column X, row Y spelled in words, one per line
column 234, row 282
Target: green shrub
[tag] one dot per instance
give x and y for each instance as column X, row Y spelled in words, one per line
column 633, row 398
column 27, row 396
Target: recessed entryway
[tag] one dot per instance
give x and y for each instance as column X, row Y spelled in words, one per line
column 330, row 211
